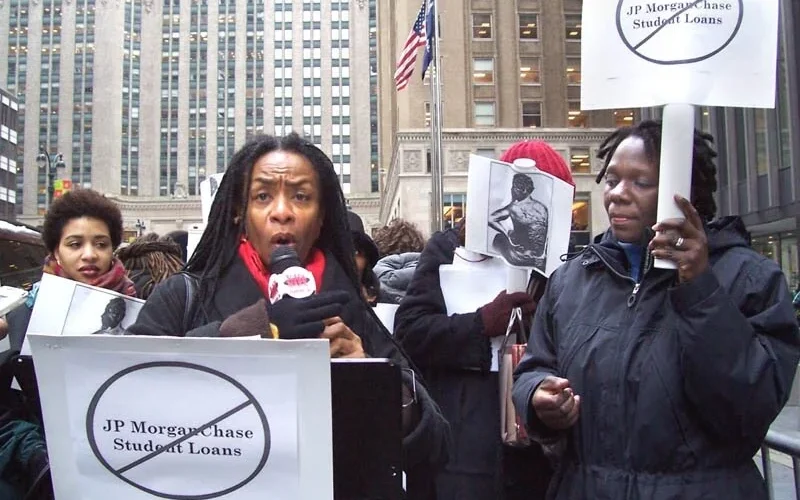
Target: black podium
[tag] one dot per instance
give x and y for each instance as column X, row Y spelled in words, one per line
column 367, row 430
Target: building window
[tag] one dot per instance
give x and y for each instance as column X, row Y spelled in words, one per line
column 487, row 153
column 760, row 126
column 573, row 71
column 427, row 114
column 454, row 206
column 624, row 117
column 483, row 71
column 575, row 117
column 484, row 114
column 581, row 215
column 531, row 114
column 529, row 26
column 481, row 26
column 784, row 137
column 579, row 160
column 573, row 26
column 529, row 71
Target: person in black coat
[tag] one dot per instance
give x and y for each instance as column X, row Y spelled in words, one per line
column 284, row 191
column 454, row 354
column 660, row 383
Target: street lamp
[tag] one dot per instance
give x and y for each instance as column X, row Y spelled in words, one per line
column 53, row 164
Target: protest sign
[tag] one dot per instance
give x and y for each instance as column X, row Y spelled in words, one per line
column 640, row 53
column 208, row 190
column 186, row 418
column 67, row 307
column 643, row 53
column 521, row 215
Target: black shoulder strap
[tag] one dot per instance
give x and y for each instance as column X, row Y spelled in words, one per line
column 191, row 291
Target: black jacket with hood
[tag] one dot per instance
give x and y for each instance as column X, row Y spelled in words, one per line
column 679, row 383
column 164, row 314
column 455, row 357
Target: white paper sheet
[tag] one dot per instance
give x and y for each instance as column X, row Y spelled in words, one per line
column 386, row 314
column 641, row 53
column 128, row 396
column 468, row 286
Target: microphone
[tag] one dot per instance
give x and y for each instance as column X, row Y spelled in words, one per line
column 288, row 277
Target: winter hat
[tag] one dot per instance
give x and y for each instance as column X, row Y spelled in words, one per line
column 546, row 158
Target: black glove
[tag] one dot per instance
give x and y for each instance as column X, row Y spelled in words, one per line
column 303, row 318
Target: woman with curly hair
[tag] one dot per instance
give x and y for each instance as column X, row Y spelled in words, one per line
column 81, row 231
column 149, row 261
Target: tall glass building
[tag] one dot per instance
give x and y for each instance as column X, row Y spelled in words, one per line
column 146, row 98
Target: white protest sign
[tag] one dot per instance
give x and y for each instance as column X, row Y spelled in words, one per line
column 208, row 190
column 641, row 53
column 131, row 418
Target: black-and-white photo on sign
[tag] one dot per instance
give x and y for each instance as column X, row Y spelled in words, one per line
column 520, row 214
column 66, row 307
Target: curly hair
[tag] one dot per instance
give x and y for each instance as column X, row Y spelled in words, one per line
column 149, row 261
column 77, row 204
column 704, row 172
column 399, row 236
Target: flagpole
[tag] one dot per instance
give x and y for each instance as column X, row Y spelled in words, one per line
column 437, row 155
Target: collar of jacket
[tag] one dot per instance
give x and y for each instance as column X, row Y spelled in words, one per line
column 606, row 251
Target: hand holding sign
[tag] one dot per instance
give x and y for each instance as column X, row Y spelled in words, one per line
column 682, row 241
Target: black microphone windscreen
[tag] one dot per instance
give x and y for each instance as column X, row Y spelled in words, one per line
column 282, row 258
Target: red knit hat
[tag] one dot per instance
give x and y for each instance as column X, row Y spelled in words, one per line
column 546, row 158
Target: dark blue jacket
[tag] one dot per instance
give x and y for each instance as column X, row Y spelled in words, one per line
column 679, row 383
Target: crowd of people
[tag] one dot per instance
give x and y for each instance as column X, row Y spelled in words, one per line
column 638, row 382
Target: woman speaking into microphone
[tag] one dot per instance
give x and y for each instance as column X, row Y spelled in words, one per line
column 284, row 192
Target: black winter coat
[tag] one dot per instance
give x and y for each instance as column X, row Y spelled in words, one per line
column 679, row 383
column 163, row 314
column 455, row 357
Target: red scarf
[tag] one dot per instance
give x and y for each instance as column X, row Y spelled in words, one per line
column 115, row 278
column 315, row 263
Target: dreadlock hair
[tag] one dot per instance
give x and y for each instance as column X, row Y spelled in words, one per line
column 226, row 223
column 150, row 260
column 704, row 172
column 399, row 236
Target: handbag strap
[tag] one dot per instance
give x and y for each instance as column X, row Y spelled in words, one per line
column 191, row 290
column 514, row 320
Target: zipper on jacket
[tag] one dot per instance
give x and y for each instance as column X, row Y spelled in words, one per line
column 636, row 285
column 632, row 297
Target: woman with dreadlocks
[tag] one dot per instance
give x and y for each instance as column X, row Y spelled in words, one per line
column 149, row 261
column 284, row 191
column 661, row 383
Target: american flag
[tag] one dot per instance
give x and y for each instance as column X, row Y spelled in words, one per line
column 408, row 57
